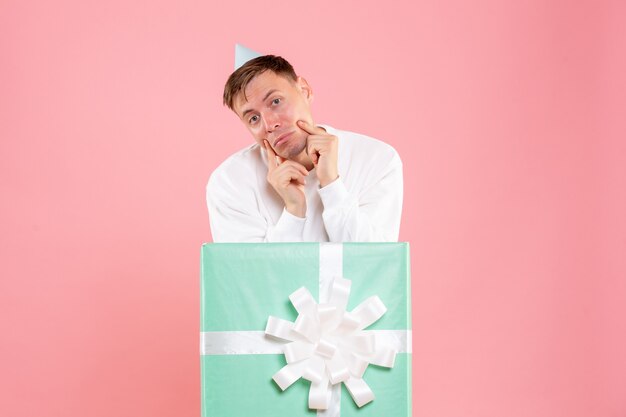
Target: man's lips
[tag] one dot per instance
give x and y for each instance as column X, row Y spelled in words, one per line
column 282, row 138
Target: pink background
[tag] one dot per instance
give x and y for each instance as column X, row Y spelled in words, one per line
column 510, row 122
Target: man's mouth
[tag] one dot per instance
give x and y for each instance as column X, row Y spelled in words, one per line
column 282, row 138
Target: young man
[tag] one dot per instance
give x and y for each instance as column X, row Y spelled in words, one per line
column 300, row 181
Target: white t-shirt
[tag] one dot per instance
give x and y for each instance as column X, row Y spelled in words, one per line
column 363, row 205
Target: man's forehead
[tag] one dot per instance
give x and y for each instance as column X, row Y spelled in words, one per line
column 259, row 88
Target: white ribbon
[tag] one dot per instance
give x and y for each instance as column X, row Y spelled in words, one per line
column 326, row 344
column 254, row 342
column 329, row 345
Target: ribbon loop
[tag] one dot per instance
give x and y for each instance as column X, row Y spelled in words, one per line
column 349, row 323
column 327, row 313
column 325, row 349
column 288, row 374
column 356, row 365
column 340, row 292
column 279, row 328
column 329, row 346
column 308, row 327
column 315, row 370
column 319, row 395
column 383, row 356
column 303, row 301
column 337, row 370
column 362, row 342
column 360, row 392
column 369, row 311
column 297, row 351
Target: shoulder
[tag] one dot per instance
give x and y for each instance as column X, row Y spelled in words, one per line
column 359, row 146
column 238, row 170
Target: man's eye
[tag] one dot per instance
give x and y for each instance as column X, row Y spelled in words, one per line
column 253, row 119
column 276, row 101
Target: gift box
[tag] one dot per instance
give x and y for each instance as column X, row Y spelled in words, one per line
column 250, row 292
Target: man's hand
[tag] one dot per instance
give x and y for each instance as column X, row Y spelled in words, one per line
column 322, row 148
column 287, row 178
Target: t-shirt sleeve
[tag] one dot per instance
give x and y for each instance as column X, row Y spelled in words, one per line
column 371, row 215
column 232, row 218
column 234, row 213
column 289, row 228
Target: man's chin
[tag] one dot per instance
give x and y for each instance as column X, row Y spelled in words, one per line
column 292, row 154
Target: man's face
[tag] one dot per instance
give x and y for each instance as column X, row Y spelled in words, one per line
column 274, row 104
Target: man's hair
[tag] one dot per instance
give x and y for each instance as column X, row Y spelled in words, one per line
column 239, row 79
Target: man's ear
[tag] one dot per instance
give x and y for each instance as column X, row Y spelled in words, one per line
column 305, row 88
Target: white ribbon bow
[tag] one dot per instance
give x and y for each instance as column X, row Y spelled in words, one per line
column 329, row 346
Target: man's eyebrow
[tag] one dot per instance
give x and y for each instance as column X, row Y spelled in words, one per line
column 269, row 93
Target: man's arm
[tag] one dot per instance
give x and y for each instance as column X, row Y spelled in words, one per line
column 373, row 215
column 234, row 214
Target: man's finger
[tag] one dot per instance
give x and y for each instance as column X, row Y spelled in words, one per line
column 290, row 171
column 290, row 175
column 271, row 156
column 294, row 175
column 313, row 151
column 288, row 163
column 309, row 128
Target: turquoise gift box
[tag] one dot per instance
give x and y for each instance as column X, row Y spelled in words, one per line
column 242, row 284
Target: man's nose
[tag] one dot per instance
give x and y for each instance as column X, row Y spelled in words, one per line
column 272, row 121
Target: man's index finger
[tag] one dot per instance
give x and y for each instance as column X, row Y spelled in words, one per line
column 271, row 156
